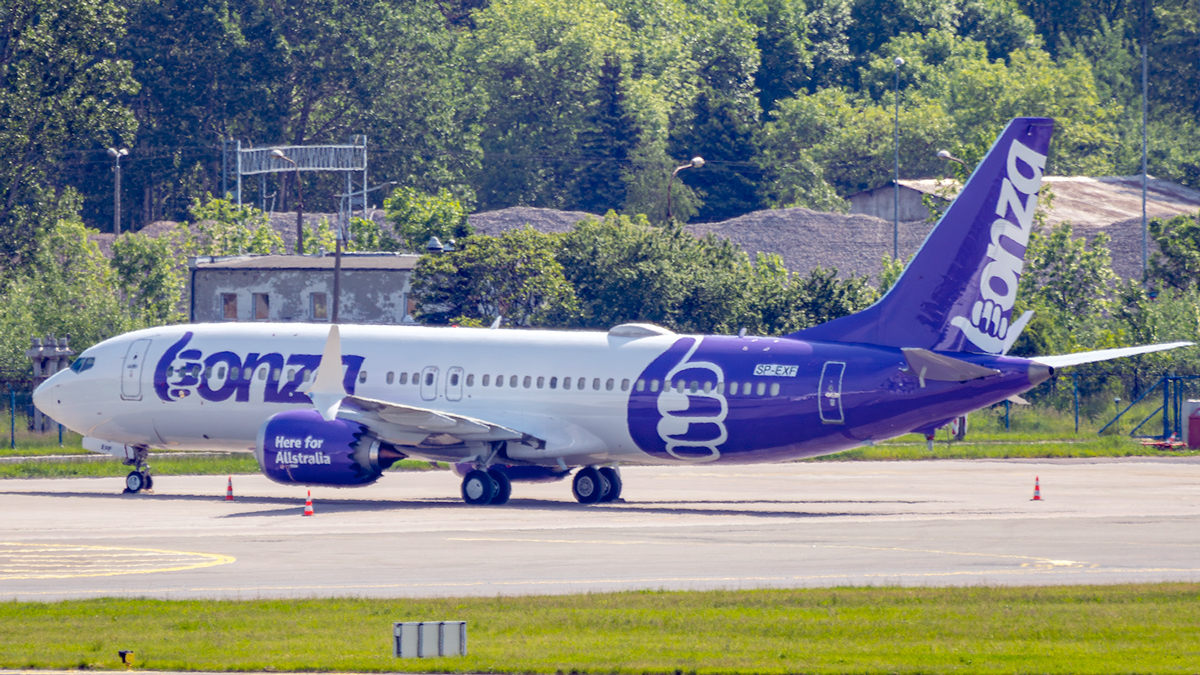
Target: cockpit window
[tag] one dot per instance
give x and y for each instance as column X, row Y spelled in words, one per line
column 83, row 363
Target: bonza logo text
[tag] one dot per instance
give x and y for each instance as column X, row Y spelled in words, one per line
column 225, row 374
column 988, row 325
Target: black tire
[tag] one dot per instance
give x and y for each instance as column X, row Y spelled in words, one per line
column 135, row 481
column 478, row 487
column 147, row 481
column 503, row 487
column 588, row 486
column 613, row 478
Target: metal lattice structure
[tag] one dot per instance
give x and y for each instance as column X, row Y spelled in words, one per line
column 346, row 159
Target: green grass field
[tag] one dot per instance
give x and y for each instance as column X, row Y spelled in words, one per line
column 1077, row 629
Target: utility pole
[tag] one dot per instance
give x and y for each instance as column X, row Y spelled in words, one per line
column 117, row 155
column 896, row 166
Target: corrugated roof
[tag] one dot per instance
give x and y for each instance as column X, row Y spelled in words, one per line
column 1097, row 202
column 350, row 261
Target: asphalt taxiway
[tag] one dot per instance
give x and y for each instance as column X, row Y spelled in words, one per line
column 699, row 527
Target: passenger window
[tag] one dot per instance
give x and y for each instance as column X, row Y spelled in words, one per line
column 276, row 374
column 221, row 372
column 581, row 383
column 745, row 389
column 720, row 387
column 775, row 389
column 512, row 381
column 653, row 385
column 708, row 387
column 528, row 381
column 566, row 383
column 679, row 386
column 762, row 388
column 733, row 388
column 391, row 377
column 428, row 379
column 208, row 373
column 608, row 385
column 403, row 378
column 362, row 377
column 486, row 380
column 471, row 380
column 694, row 387
column 454, row 380
column 624, row 385
column 499, row 380
column 553, row 382
column 247, row 373
column 596, row 384
column 540, row 381
column 641, row 385
column 262, row 374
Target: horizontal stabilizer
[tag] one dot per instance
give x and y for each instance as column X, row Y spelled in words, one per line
column 1064, row 360
column 933, row 366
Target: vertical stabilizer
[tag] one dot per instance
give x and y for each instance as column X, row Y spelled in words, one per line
column 958, row 292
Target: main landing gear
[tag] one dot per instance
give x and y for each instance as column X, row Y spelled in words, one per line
column 597, row 485
column 486, row 487
column 139, row 479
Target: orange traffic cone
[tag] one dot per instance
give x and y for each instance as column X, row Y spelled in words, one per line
column 1037, row 490
column 308, row 505
column 229, row 490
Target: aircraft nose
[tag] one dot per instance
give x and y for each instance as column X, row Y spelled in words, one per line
column 48, row 398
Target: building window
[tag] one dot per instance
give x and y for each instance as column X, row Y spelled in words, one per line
column 229, row 306
column 318, row 305
column 262, row 307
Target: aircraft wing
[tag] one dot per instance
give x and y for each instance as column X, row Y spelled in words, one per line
column 410, row 425
column 1064, row 360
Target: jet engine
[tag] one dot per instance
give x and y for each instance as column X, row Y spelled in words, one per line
column 299, row 446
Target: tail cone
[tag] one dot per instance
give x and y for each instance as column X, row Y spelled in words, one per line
column 1037, row 490
column 308, row 510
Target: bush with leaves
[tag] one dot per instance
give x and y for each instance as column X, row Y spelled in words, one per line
column 416, row 216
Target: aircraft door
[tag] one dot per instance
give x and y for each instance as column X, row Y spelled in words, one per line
column 829, row 394
column 429, row 382
column 454, row 384
column 131, row 370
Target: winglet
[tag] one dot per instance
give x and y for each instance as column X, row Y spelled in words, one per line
column 327, row 390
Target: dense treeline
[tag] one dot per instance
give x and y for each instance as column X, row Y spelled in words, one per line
column 586, row 104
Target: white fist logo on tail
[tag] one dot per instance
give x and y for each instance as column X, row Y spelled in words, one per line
column 987, row 326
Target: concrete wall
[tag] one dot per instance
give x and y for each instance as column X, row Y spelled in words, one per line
column 367, row 296
column 879, row 203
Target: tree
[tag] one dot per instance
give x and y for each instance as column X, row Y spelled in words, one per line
column 60, row 92
column 625, row 269
column 514, row 276
column 608, row 143
column 1177, row 264
column 416, row 216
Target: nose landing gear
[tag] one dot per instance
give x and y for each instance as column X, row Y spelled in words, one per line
column 139, row 479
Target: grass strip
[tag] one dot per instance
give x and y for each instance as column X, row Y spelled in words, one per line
column 1148, row 628
column 180, row 465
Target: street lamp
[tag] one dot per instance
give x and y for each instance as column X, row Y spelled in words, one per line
column 117, row 155
column 945, row 154
column 343, row 223
column 696, row 162
column 896, row 176
column 277, row 153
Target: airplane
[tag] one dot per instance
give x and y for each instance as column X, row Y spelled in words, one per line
column 337, row 405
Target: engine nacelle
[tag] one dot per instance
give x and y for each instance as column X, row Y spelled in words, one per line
column 299, row 446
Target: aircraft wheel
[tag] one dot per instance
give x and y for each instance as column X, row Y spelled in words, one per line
column 147, row 481
column 134, row 482
column 613, row 478
column 588, row 486
column 503, row 487
column 478, row 487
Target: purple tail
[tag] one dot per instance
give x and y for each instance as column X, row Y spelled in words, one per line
column 957, row 294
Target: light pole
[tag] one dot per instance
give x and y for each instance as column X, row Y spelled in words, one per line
column 896, row 166
column 344, row 208
column 945, row 154
column 117, row 155
column 696, row 162
column 277, row 153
